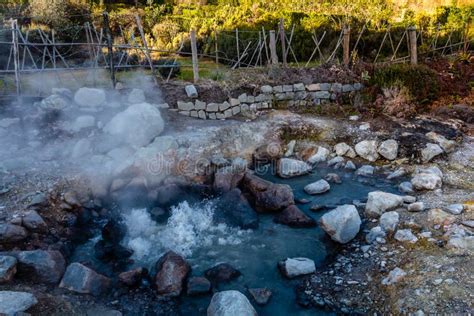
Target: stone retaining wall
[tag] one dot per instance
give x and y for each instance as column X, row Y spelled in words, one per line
column 297, row 94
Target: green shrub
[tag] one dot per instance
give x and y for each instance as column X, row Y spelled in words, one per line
column 419, row 81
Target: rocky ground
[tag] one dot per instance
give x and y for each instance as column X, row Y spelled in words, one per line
column 398, row 254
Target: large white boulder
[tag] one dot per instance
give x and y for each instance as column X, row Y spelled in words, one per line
column 13, row 303
column 317, row 187
column 379, row 202
column 288, row 168
column 321, row 155
column 341, row 224
column 89, row 97
column 342, row 149
column 138, row 125
column 430, row 151
column 426, row 181
column 230, row 303
column 367, row 149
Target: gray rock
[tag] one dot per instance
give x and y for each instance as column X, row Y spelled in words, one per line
column 199, row 105
column 432, row 170
column 342, row 149
column 12, row 233
column 261, row 295
column 388, row 149
column 455, row 209
column 406, row 187
column 292, row 216
column 54, row 102
column 266, row 89
column 341, row 224
column 317, row 187
column 333, row 178
column 136, row 96
column 389, row 221
column 400, row 172
column 40, row 265
column 230, row 303
column 405, row 235
column 379, row 202
column 34, row 222
column 185, row 106
column 394, row 276
column 14, row 303
column 290, row 148
column 416, row 207
column 446, row 144
column 320, row 156
column 335, row 161
column 138, row 125
column 367, row 149
column 294, row 267
column 430, row 151
column 191, row 91
column 426, row 181
column 374, row 234
column 198, row 286
column 81, row 279
column 7, row 268
column 288, row 168
column 461, row 242
column 298, row 87
column 90, row 97
column 365, row 171
column 350, row 165
column 83, row 122
column 172, row 270
column 39, row 199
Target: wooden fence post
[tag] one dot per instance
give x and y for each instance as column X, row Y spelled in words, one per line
column 413, row 51
column 216, row 47
column 283, row 42
column 238, row 46
column 273, row 50
column 110, row 42
column 194, row 55
column 346, row 45
column 147, row 52
column 16, row 56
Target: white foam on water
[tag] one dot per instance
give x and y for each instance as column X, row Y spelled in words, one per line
column 190, row 227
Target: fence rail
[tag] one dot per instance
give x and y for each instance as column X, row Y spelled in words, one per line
column 39, row 51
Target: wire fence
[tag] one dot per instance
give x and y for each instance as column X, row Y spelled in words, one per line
column 91, row 47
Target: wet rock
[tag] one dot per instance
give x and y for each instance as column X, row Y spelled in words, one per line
column 302, row 201
column 136, row 96
column 317, row 207
column 365, row 171
column 394, row 276
column 405, row 235
column 455, row 209
column 388, row 149
column 228, row 178
column 133, row 277
column 261, row 295
column 89, row 97
column 191, row 91
column 292, row 216
column 335, row 161
column 138, row 125
column 430, row 151
column 169, row 194
column 416, row 207
column 234, row 209
column 223, row 272
column 289, row 168
column 198, row 286
column 341, row 224
column 290, row 148
column 350, row 165
column 379, row 202
column 81, row 279
column 7, row 268
column 367, row 149
column 172, row 270
column 406, row 187
column 426, row 181
column 15, row 303
column 443, row 142
column 230, row 303
column 321, row 155
column 294, row 267
column 375, row 234
column 34, row 222
column 268, row 197
column 333, row 178
column 40, row 265
column 317, row 187
column 389, row 221
column 400, row 172
column 342, row 149
column 12, row 233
